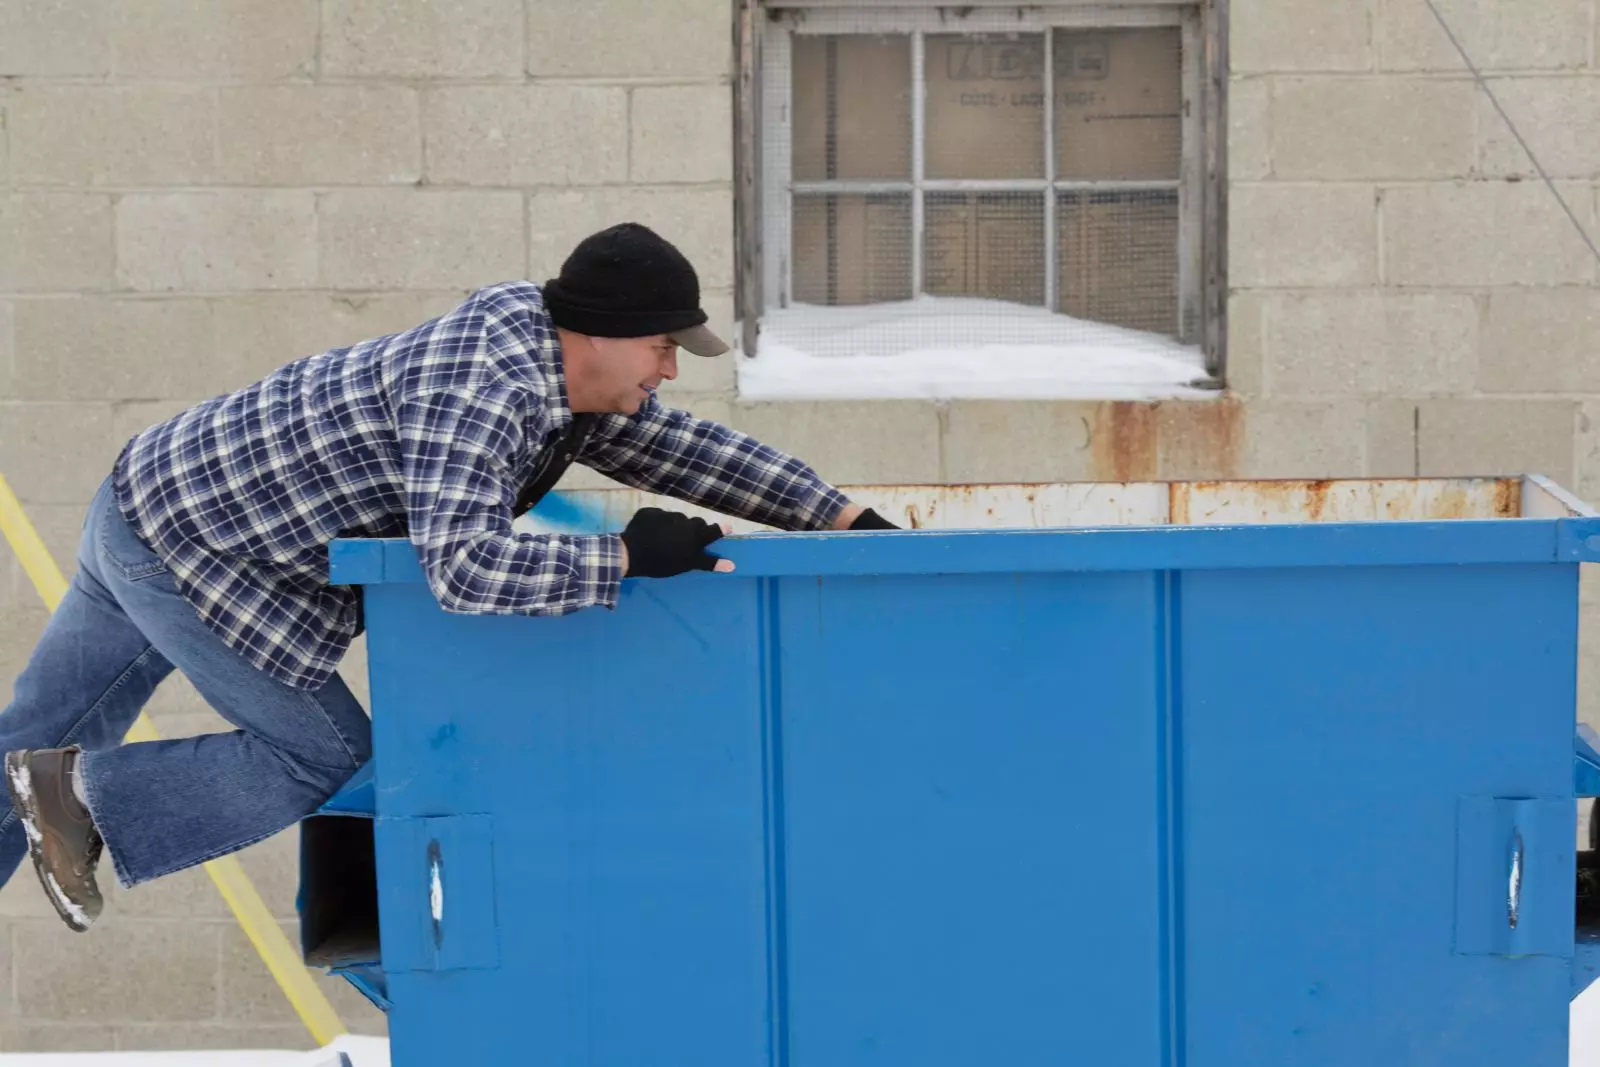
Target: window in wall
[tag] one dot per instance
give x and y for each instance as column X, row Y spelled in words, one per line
column 1004, row 202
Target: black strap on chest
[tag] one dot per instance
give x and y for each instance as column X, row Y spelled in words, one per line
column 553, row 463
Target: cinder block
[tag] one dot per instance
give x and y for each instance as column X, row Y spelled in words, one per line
column 699, row 221
column 60, row 527
column 1287, row 439
column 1559, row 118
column 579, row 477
column 21, row 623
column 1019, row 441
column 476, row 39
column 129, row 417
column 274, row 866
column 1249, row 129
column 216, row 241
column 1195, row 440
column 1371, row 343
column 251, row 40
column 353, row 669
column 7, row 969
column 55, row 1037
column 1392, row 439
column 249, row 995
column 717, row 376
column 87, row 979
column 630, row 38
column 1300, row 35
column 405, row 239
column 1497, row 34
column 94, row 135
column 712, row 407
column 1541, row 341
column 54, row 38
column 852, row 442
column 19, row 898
column 1302, row 235
column 1497, row 437
column 6, row 95
column 57, row 453
column 261, row 332
column 188, row 894
column 1246, row 309
column 682, row 133
column 107, row 348
column 319, row 135
column 1485, row 233
column 157, row 1037
column 55, row 242
column 1335, row 128
column 1586, row 481
column 527, row 135
column 7, row 345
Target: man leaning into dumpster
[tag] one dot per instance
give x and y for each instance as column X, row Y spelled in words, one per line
column 206, row 550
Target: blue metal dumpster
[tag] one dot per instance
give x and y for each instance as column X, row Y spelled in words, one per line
column 1210, row 774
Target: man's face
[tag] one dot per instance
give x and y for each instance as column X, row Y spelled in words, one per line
column 629, row 367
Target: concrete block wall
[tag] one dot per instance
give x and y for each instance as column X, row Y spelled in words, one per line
column 194, row 193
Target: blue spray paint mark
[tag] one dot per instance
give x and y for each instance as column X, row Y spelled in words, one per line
column 560, row 512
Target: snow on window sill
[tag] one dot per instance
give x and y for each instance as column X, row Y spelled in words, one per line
column 950, row 348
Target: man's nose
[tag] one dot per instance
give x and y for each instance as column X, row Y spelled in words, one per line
column 669, row 365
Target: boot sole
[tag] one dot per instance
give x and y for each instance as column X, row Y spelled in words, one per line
column 19, row 782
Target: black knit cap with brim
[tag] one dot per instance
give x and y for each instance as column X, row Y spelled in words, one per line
column 629, row 281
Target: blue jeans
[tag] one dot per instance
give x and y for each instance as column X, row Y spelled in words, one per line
column 162, row 806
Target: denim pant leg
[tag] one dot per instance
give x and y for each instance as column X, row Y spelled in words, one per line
column 89, row 676
column 162, row 806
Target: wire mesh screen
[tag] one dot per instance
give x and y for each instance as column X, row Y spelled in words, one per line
column 852, row 107
column 851, row 248
column 1119, row 105
column 988, row 245
column 976, row 181
column 984, row 109
column 1119, row 258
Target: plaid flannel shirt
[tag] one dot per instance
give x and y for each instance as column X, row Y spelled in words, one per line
column 429, row 434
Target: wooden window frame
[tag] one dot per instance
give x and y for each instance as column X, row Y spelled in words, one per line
column 763, row 30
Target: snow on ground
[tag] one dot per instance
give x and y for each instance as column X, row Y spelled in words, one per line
column 1585, row 1044
column 960, row 347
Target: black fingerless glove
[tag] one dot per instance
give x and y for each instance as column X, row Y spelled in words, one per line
column 871, row 520
column 663, row 543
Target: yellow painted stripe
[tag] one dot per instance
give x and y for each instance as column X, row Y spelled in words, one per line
column 248, row 908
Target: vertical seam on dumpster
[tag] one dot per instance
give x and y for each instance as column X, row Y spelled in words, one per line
column 773, row 818
column 1170, row 787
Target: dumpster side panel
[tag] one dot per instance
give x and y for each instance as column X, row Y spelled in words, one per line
column 1342, row 715
column 973, row 824
column 621, row 756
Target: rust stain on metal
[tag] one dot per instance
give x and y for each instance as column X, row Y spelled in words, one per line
column 1210, row 437
column 1316, row 498
column 1178, row 504
column 1508, row 498
column 1123, row 441
column 913, row 516
column 1451, row 503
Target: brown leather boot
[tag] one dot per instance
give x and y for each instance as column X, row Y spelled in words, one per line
column 61, row 836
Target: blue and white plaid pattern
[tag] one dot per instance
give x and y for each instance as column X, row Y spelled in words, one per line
column 429, row 433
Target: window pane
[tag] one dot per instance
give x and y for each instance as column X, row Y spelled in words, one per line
column 852, row 249
column 1119, row 104
column 852, row 107
column 985, row 106
column 985, row 245
column 1119, row 258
